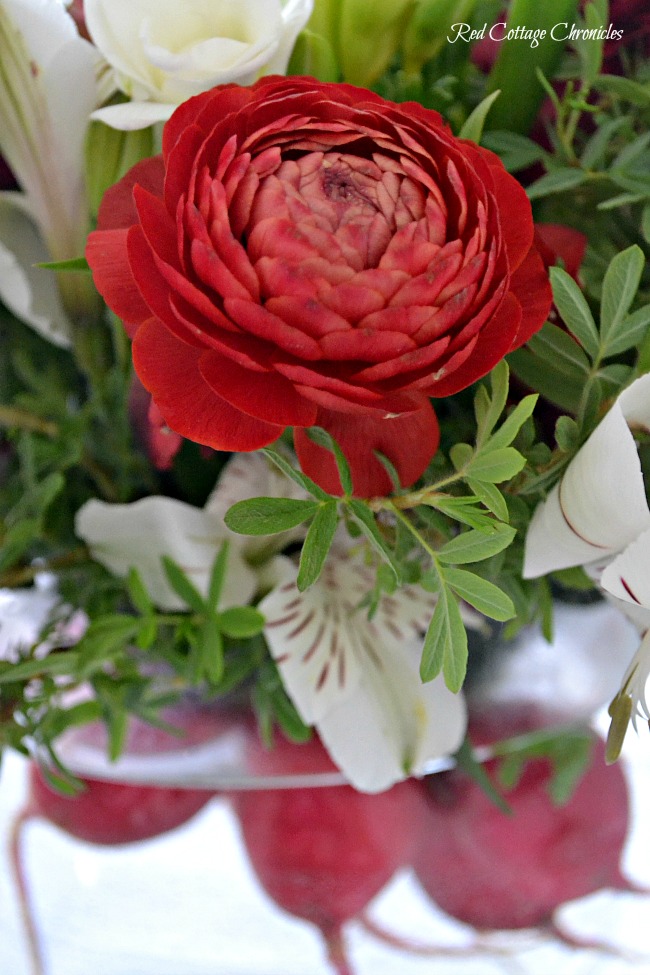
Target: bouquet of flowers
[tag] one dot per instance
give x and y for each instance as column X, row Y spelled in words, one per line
column 325, row 339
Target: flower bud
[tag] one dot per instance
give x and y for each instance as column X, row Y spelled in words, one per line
column 428, row 29
column 364, row 34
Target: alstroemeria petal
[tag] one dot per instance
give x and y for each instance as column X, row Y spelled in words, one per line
column 253, row 476
column 30, row 292
column 392, row 725
column 600, row 505
column 334, row 661
column 139, row 534
column 627, row 577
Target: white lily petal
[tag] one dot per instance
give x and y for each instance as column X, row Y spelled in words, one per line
column 30, row 292
column 139, row 534
column 47, row 90
column 600, row 505
column 392, row 725
column 253, row 476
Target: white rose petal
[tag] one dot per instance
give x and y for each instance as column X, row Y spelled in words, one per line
column 163, row 52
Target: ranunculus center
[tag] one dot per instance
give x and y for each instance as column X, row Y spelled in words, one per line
column 347, row 207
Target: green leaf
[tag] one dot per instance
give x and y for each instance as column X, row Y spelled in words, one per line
column 497, row 465
column 466, row 760
column 463, row 509
column 217, row 576
column 620, row 285
column 488, row 408
column 597, row 145
column 631, row 151
column 445, row 643
column 537, row 373
column 554, row 346
column 460, row 455
column 73, row 264
column 365, row 519
column 557, row 181
column 317, row 545
column 569, row 750
column 629, row 333
column 474, row 546
column 513, row 423
column 575, row 311
column 105, row 637
column 484, row 596
column 625, row 88
column 567, row 434
column 296, row 476
column 268, row 516
column 516, row 151
column 241, row 622
column 324, row 439
column 211, row 649
column 473, row 125
column 645, row 223
column 491, row 497
column 182, row 585
column 138, row 593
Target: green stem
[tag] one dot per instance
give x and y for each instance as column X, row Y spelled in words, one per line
column 12, row 417
column 13, row 578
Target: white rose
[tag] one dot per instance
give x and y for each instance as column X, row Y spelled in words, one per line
column 164, row 52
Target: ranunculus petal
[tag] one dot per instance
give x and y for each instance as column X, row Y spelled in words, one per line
column 409, row 441
column 121, row 536
column 357, row 679
column 531, row 286
column 555, row 242
column 170, row 370
column 270, row 397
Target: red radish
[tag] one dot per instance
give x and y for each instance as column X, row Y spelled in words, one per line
column 322, row 853
column 110, row 813
column 492, row 870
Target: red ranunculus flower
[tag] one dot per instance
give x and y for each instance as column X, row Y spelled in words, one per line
column 310, row 254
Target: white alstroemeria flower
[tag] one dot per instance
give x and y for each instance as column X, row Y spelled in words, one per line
column 627, row 579
column 357, row 680
column 164, row 52
column 598, row 517
column 139, row 534
column 599, row 506
column 48, row 89
column 253, row 476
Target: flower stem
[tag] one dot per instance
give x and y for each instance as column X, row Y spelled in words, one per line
column 12, row 417
column 25, row 575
